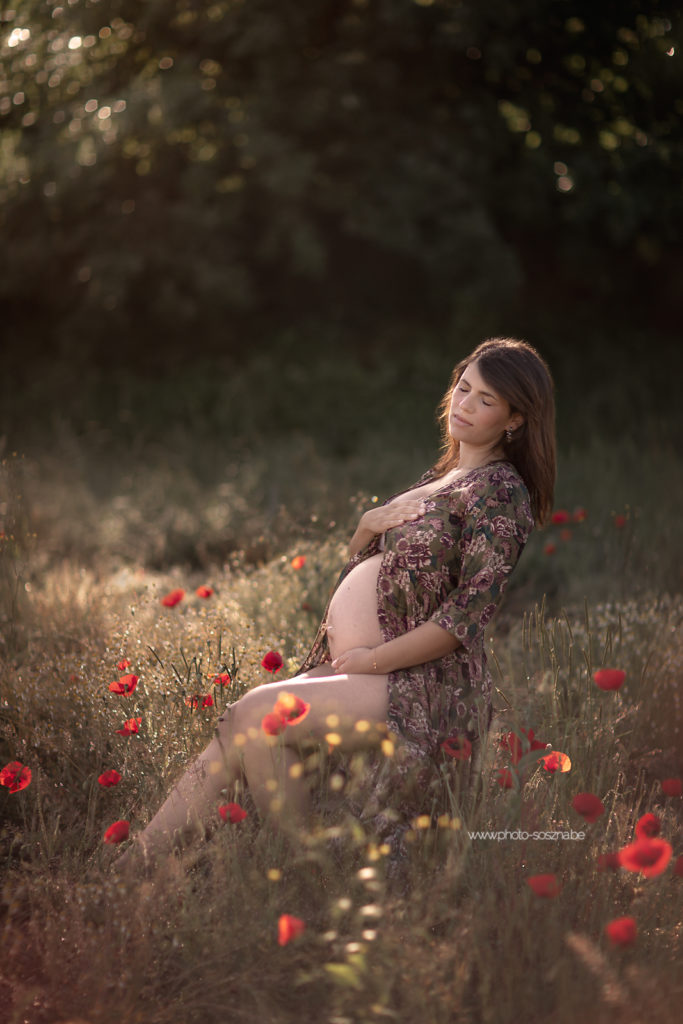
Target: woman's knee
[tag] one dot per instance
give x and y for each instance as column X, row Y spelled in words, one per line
column 250, row 709
column 246, row 714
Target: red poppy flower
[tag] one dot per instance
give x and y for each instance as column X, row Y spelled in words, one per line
column 199, row 700
column 544, row 885
column 223, row 679
column 678, row 866
column 549, row 549
column 117, row 832
column 672, row 787
column 272, row 662
column 609, row 861
column 130, row 726
column 457, row 747
column 621, row 931
column 565, row 535
column 556, row 761
column 505, row 778
column 590, row 807
column 232, row 813
column 580, row 515
column 204, row 591
column 290, row 708
column 609, row 678
column 649, row 856
column 124, row 664
column 16, row 776
column 620, row 522
column 518, row 747
column 648, row 826
column 298, row 562
column 124, row 686
column 560, row 516
column 306, row 607
column 272, row 724
column 173, row 598
column 109, row 778
column 289, row 928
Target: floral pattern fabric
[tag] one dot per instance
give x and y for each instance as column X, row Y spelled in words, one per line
column 450, row 567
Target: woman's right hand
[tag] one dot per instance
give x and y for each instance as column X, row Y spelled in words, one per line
column 396, row 513
column 376, row 520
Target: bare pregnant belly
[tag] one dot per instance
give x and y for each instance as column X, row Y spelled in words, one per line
column 352, row 616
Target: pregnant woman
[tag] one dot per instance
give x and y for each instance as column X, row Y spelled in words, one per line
column 402, row 639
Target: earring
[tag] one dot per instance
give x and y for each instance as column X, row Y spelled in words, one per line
column 508, row 435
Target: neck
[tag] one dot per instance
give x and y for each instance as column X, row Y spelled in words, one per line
column 472, row 457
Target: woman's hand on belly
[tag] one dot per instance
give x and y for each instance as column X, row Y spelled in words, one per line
column 426, row 642
column 356, row 661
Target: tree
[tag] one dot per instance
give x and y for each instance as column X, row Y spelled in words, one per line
column 170, row 167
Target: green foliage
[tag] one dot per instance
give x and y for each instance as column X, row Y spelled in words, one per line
column 174, row 169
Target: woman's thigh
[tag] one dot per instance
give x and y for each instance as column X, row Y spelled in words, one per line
column 337, row 703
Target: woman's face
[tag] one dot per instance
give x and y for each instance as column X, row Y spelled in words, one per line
column 478, row 415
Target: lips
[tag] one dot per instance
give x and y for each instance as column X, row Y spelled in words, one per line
column 459, row 419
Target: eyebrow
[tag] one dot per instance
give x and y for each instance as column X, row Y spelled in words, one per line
column 488, row 393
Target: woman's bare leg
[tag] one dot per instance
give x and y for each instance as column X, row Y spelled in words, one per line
column 188, row 808
column 338, row 703
column 242, row 749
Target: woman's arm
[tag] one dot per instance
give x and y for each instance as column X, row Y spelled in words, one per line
column 361, row 537
column 426, row 642
column 377, row 520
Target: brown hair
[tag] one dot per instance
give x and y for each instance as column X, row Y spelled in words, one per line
column 516, row 371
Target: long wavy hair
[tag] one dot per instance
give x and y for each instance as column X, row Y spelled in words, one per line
column 515, row 371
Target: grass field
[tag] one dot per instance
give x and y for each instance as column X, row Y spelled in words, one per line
column 88, row 547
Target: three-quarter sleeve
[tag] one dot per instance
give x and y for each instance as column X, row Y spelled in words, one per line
column 493, row 536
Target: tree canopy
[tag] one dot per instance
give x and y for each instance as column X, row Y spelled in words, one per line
column 174, row 169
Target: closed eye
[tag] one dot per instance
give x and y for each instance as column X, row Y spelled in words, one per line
column 466, row 391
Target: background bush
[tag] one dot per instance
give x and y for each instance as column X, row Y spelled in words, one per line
column 189, row 189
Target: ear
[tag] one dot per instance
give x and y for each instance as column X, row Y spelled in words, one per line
column 515, row 421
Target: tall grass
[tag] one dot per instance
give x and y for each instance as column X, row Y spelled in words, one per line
column 459, row 936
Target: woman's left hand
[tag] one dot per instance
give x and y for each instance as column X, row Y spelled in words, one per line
column 356, row 661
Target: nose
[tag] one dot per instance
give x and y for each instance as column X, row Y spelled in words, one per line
column 464, row 402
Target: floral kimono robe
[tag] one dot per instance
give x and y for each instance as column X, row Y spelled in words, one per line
column 451, row 567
